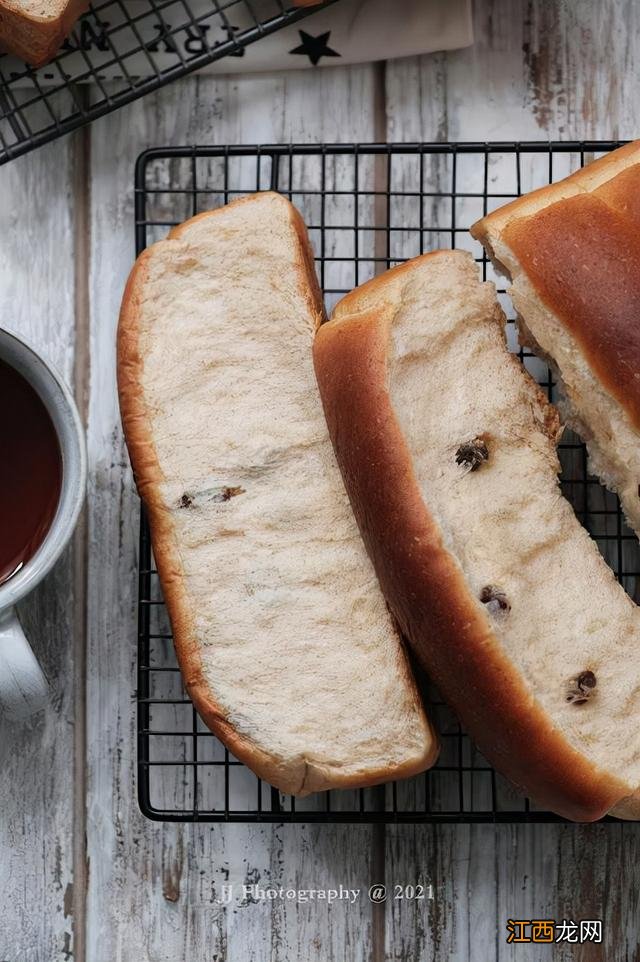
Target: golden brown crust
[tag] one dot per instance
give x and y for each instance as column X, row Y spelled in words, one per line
column 138, row 434
column 586, row 179
column 423, row 584
column 36, row 39
column 578, row 243
column 583, row 259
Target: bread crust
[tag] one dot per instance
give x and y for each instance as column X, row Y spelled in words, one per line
column 445, row 625
column 586, row 179
column 568, row 237
column 33, row 38
column 148, row 474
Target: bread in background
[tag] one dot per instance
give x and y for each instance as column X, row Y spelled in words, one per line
column 572, row 251
column 34, row 30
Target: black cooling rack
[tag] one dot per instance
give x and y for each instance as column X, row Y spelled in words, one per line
column 368, row 207
column 120, row 50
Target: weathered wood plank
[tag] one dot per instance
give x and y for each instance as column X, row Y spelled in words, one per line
column 37, row 764
column 536, row 71
column 152, row 887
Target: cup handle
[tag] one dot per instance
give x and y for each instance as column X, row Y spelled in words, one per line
column 23, row 686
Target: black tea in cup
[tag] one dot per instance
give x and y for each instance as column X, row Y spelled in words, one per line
column 30, row 471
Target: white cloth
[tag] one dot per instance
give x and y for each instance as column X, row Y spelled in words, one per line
column 360, row 31
column 349, row 31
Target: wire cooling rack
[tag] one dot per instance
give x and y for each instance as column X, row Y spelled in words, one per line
column 368, row 207
column 120, row 50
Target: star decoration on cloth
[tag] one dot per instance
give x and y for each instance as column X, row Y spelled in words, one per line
column 315, row 47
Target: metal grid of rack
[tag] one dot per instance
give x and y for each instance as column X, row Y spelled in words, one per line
column 120, row 50
column 368, row 207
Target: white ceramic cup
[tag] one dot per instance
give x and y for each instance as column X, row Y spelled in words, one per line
column 23, row 686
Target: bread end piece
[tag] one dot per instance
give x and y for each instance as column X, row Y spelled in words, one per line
column 571, row 251
column 36, row 38
column 586, row 179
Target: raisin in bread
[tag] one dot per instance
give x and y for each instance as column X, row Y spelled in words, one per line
column 448, row 451
column 283, row 636
column 572, row 252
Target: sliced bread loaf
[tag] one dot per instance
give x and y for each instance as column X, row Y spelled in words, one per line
column 34, row 29
column 283, row 636
column 448, row 451
column 572, row 252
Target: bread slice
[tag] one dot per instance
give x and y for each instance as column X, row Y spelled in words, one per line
column 281, row 631
column 448, row 451
column 572, row 252
column 34, row 29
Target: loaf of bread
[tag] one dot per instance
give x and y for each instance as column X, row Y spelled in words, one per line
column 283, row 636
column 448, row 451
column 34, row 29
column 572, row 252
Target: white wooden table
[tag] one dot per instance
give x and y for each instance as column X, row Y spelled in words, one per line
column 83, row 875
